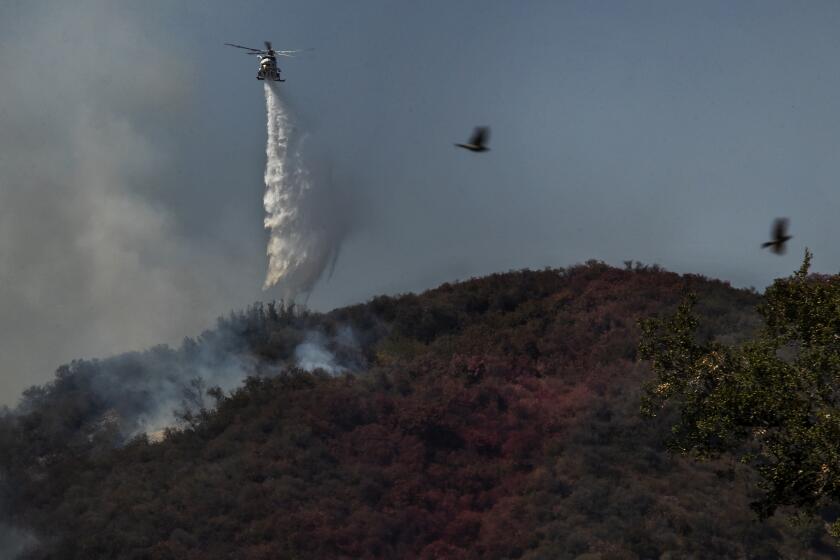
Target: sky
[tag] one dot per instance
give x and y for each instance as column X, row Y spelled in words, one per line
column 132, row 151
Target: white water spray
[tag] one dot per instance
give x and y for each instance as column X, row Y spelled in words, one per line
column 301, row 241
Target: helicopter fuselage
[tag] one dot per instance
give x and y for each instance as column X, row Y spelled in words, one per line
column 268, row 69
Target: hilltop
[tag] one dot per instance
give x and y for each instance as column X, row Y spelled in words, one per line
column 496, row 417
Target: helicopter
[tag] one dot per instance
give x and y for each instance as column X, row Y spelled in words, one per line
column 268, row 69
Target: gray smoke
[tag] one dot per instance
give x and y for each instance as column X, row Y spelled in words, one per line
column 334, row 355
column 313, row 354
column 146, row 392
column 94, row 256
column 142, row 392
column 168, row 382
column 15, row 541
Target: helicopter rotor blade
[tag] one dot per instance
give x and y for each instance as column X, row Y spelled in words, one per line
column 291, row 53
column 241, row 47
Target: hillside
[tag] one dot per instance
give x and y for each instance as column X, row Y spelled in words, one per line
column 491, row 418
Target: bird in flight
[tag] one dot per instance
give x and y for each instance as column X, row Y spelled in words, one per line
column 478, row 140
column 779, row 235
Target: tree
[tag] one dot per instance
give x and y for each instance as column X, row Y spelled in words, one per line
column 773, row 402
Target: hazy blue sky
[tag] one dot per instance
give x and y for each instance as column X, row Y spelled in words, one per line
column 132, row 146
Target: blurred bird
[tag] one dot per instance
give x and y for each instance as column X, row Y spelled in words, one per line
column 779, row 235
column 477, row 142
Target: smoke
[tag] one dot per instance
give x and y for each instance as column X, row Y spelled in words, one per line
column 99, row 247
column 114, row 399
column 14, row 542
column 305, row 228
column 335, row 355
column 97, row 404
column 145, row 391
column 313, row 354
column 142, row 392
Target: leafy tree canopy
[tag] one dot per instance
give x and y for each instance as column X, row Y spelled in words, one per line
column 773, row 402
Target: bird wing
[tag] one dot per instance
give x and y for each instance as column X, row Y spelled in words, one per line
column 780, row 228
column 480, row 136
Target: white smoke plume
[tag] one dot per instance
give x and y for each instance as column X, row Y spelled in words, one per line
column 305, row 233
column 313, row 354
column 337, row 354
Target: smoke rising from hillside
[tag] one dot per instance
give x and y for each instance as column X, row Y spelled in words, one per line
column 305, row 230
column 141, row 392
column 335, row 355
column 136, row 393
column 99, row 247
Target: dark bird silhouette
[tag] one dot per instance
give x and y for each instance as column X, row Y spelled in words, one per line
column 478, row 141
column 779, row 235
